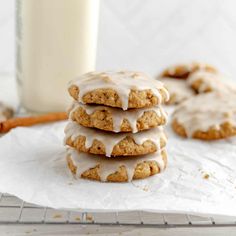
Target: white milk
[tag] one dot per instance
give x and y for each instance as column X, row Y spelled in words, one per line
column 56, row 41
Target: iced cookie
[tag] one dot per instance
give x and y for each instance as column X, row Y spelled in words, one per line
column 204, row 81
column 207, row 116
column 5, row 112
column 110, row 144
column 117, row 120
column 124, row 169
column 124, row 89
column 182, row 71
column 179, row 90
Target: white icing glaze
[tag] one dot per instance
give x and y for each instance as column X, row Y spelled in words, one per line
column 122, row 82
column 206, row 110
column 214, row 81
column 179, row 88
column 75, row 130
column 84, row 161
column 132, row 115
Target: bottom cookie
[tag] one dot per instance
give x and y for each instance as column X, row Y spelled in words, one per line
column 83, row 165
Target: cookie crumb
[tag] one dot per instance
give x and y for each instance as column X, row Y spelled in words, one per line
column 90, row 218
column 135, row 75
column 134, row 87
column 106, row 78
column 206, row 176
column 57, row 216
column 145, row 188
column 228, row 114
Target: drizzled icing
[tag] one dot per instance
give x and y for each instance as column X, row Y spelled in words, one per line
column 178, row 88
column 214, row 81
column 205, row 111
column 122, row 82
column 84, row 161
column 73, row 130
column 118, row 115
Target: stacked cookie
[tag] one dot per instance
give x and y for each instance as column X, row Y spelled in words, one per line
column 115, row 130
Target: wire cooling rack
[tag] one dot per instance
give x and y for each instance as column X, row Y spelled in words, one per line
column 15, row 211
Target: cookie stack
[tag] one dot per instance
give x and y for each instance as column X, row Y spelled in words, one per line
column 115, row 129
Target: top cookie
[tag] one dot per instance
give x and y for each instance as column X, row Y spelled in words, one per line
column 182, row 71
column 123, row 89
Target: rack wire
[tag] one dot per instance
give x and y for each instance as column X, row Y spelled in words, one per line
column 15, row 211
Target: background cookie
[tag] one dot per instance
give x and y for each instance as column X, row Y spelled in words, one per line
column 203, row 81
column 182, row 71
column 116, row 120
column 176, row 80
column 179, row 90
column 224, row 130
column 123, row 170
column 124, row 89
column 103, row 143
column 207, row 116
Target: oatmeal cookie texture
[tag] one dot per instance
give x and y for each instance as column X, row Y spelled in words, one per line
column 124, row 89
column 109, row 144
column 116, row 120
column 207, row 116
column 115, row 131
column 91, row 167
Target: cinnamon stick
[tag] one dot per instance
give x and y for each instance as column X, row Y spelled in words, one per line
column 7, row 125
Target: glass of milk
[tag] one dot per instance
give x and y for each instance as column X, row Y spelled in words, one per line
column 56, row 41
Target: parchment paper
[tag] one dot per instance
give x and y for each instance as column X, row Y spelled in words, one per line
column 200, row 177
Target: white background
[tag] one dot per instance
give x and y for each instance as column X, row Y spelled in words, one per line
column 147, row 35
